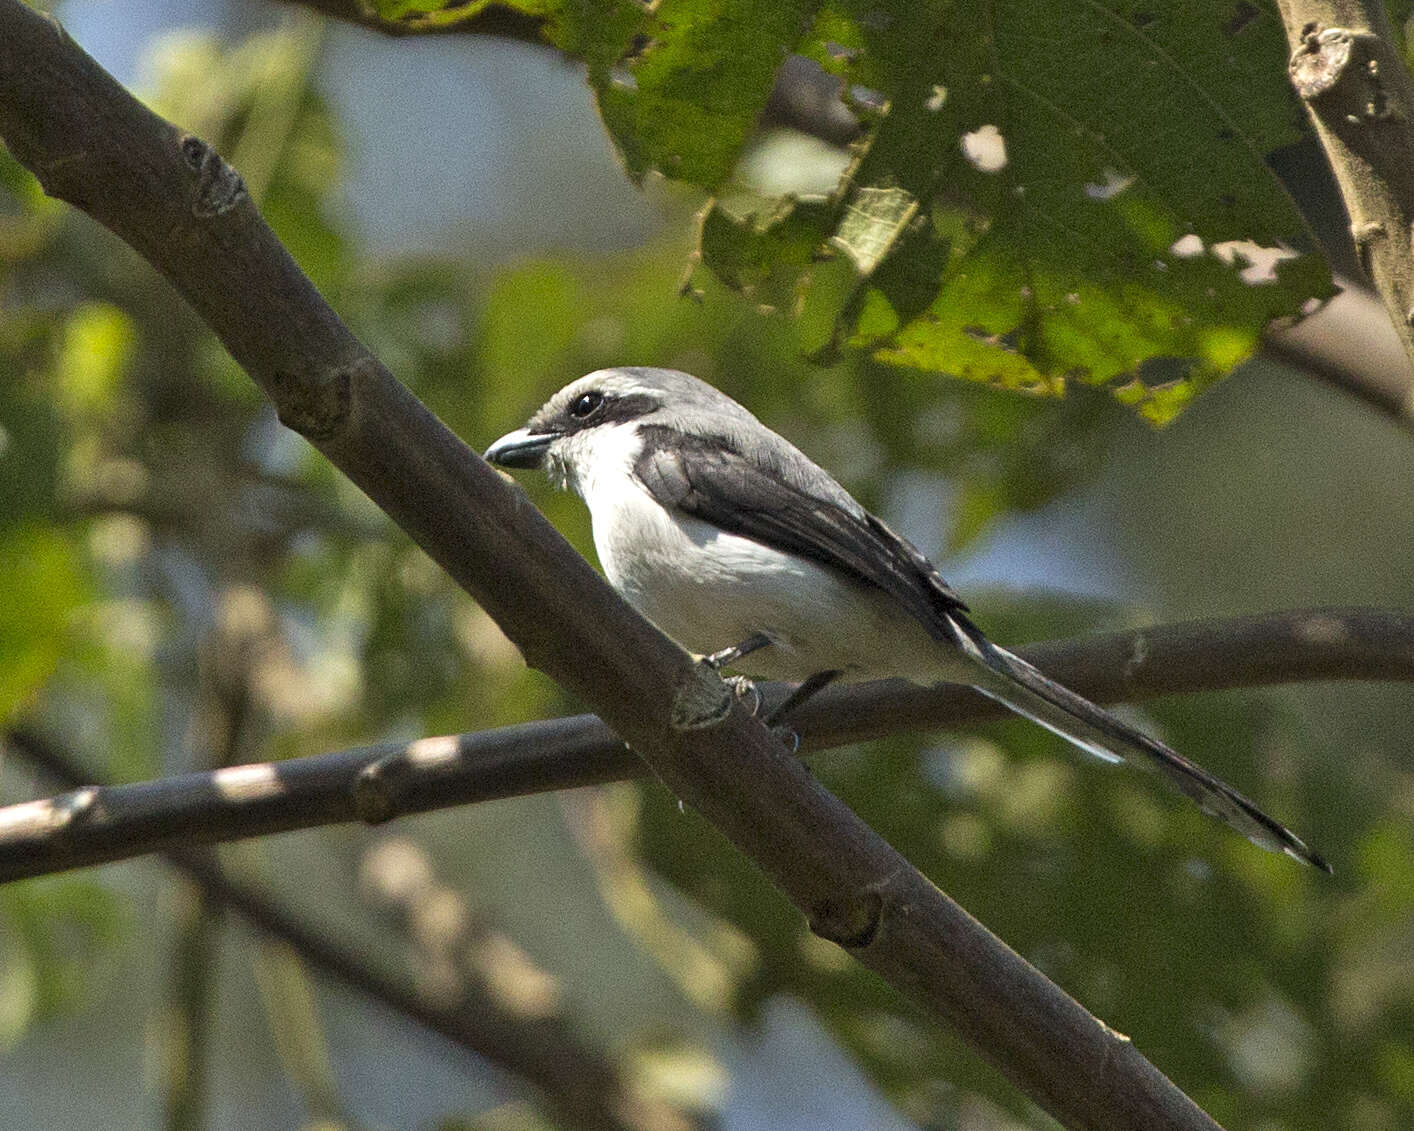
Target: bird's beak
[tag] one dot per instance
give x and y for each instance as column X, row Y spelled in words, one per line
column 521, row 448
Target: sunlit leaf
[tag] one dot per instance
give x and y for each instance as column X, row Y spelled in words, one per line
column 94, row 354
column 19, row 987
column 42, row 586
column 55, row 929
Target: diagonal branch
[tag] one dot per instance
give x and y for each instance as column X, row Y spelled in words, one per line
column 173, row 199
column 376, row 783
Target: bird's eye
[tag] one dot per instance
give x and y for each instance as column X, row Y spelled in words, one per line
column 584, row 405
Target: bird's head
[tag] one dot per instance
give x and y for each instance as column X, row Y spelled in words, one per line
column 592, row 424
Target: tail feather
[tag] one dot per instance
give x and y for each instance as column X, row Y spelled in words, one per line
column 1026, row 691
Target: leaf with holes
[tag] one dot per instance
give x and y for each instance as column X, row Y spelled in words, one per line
column 1055, row 193
column 1042, row 193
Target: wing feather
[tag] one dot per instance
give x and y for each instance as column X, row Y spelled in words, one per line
column 710, row 479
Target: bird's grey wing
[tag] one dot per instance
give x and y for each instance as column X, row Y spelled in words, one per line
column 710, row 479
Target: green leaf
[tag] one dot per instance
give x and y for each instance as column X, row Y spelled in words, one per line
column 1027, row 172
column 51, row 932
column 567, row 26
column 685, row 93
column 29, row 442
column 40, row 586
column 97, row 347
column 1016, row 214
column 19, row 987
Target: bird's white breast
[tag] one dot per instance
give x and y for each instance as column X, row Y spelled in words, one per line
column 709, row 589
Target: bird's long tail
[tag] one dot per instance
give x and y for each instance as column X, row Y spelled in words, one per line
column 1014, row 682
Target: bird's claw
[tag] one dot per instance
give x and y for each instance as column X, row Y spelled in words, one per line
column 744, row 689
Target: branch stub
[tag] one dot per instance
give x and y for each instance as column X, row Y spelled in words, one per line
column 219, row 188
column 1324, row 59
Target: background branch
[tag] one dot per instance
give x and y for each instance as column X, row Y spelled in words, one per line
column 578, row 1084
column 221, row 716
column 375, row 783
column 173, row 199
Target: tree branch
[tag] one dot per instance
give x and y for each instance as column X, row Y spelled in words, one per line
column 1360, row 98
column 577, row 1083
column 179, row 205
column 219, row 719
column 98, row 824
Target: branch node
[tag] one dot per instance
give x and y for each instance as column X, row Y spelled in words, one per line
column 1137, row 658
column 1117, row 1045
column 1367, row 232
column 314, row 405
column 54, row 177
column 1378, row 108
column 374, row 791
column 219, row 188
column 851, row 921
column 68, row 811
column 700, row 700
column 1323, row 59
column 1323, row 631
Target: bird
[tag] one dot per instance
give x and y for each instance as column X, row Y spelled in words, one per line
column 743, row 550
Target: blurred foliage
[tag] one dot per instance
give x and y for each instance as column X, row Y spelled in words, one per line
column 49, row 931
column 1041, row 193
column 149, row 500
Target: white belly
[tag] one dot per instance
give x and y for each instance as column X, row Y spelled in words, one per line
column 709, row 590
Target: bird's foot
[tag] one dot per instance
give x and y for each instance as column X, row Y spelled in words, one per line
column 745, row 690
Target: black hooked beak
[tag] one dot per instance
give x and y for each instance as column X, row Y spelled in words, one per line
column 521, row 448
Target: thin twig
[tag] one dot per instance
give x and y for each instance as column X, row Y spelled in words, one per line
column 461, row 952
column 221, row 714
column 376, row 783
